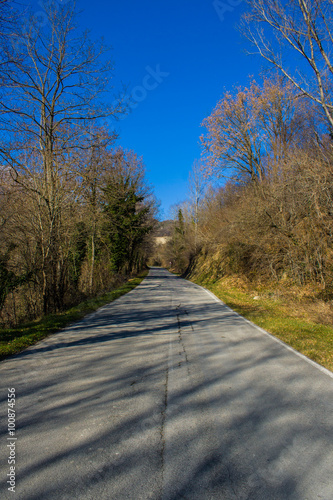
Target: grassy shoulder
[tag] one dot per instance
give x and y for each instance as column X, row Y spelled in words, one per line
column 290, row 314
column 15, row 340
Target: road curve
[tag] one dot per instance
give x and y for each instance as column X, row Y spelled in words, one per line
column 166, row 394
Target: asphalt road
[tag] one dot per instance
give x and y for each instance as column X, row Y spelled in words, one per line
column 166, row 394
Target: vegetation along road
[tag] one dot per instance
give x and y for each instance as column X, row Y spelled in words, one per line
column 166, row 394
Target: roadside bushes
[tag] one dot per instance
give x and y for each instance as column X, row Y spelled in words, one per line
column 272, row 220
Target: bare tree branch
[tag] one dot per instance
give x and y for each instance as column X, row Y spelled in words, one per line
column 296, row 37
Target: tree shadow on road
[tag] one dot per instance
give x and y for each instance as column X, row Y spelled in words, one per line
column 101, row 412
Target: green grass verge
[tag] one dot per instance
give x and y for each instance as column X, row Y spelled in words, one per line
column 283, row 319
column 15, row 340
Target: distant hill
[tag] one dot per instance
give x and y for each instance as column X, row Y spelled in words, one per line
column 164, row 228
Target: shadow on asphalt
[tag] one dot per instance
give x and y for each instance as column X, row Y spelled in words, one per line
column 264, row 451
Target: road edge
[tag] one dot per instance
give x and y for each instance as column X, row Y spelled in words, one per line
column 319, row 367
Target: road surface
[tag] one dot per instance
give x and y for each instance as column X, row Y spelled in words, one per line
column 166, row 394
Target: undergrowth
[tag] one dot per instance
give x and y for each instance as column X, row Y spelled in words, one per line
column 15, row 340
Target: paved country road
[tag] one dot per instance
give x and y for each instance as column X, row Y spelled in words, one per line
column 167, row 394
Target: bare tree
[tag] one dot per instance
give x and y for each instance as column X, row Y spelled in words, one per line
column 296, row 36
column 248, row 131
column 53, row 85
column 197, row 187
column 8, row 21
column 93, row 164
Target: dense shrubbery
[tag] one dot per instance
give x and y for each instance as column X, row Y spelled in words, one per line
column 270, row 147
column 272, row 219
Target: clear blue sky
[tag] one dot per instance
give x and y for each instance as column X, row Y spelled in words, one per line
column 197, row 56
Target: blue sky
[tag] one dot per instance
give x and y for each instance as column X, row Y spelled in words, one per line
column 177, row 58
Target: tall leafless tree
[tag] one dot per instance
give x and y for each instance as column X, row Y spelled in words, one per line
column 197, row 187
column 53, row 81
column 296, row 36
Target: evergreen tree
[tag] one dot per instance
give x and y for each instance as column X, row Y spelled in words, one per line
column 126, row 223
